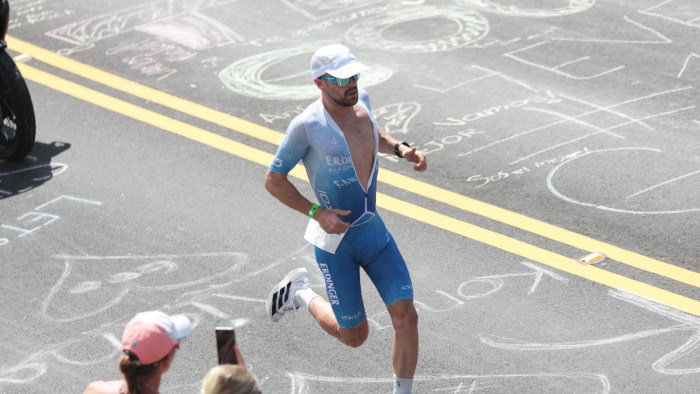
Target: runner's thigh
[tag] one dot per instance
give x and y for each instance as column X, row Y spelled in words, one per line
column 342, row 279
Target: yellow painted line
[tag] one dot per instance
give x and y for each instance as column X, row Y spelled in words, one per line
column 397, row 180
column 541, row 228
column 146, row 116
column 400, row 207
column 540, row 255
column 142, row 91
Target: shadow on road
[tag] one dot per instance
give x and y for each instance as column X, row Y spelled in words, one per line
column 33, row 171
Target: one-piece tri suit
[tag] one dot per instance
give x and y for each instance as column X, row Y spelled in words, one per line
column 316, row 139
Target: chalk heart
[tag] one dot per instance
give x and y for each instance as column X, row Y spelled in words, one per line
column 91, row 287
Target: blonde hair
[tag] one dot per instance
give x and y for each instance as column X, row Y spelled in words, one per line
column 230, row 379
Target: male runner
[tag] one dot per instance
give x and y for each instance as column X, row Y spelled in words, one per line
column 338, row 141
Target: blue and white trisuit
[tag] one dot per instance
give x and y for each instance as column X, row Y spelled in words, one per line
column 314, row 138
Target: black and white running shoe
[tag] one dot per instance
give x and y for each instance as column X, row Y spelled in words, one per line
column 281, row 297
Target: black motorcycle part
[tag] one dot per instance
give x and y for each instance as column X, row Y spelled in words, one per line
column 18, row 128
column 4, row 18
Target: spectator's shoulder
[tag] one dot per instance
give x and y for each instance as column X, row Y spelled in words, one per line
column 104, row 387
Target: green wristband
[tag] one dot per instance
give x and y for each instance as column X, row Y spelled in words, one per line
column 312, row 212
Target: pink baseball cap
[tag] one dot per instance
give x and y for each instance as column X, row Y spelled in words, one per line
column 336, row 60
column 152, row 335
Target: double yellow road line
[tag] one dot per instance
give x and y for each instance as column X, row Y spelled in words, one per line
column 526, row 250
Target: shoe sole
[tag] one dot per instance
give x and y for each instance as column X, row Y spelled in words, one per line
column 281, row 288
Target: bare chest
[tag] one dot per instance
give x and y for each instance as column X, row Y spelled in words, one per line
column 359, row 136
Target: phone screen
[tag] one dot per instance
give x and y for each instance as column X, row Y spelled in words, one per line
column 225, row 341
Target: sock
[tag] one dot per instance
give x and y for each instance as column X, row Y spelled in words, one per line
column 304, row 297
column 403, row 386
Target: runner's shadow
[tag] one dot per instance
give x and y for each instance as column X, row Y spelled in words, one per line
column 33, row 171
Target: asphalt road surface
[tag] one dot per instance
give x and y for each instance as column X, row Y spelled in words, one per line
column 553, row 129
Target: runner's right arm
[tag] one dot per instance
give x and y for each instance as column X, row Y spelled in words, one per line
column 281, row 188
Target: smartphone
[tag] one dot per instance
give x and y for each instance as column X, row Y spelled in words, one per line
column 225, row 341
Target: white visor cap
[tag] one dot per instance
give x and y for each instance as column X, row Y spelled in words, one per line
column 336, row 60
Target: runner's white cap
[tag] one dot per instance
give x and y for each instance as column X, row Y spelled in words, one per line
column 336, row 60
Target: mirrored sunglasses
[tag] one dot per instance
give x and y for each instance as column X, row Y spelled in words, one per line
column 340, row 81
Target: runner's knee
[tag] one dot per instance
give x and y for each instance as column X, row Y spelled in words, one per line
column 355, row 337
column 404, row 316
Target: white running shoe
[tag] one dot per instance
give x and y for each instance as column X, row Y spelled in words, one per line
column 281, row 298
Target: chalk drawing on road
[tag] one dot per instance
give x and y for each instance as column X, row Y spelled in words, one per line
column 262, row 76
column 683, row 12
column 37, row 220
column 685, row 322
column 495, row 282
column 507, row 78
column 614, row 109
column 575, row 382
column 548, row 98
column 573, row 120
column 35, row 11
column 668, row 182
column 393, row 29
column 476, row 287
column 103, row 345
column 639, row 175
column 152, row 57
column 661, row 38
column 112, row 24
column 193, row 30
column 75, row 49
column 314, row 9
column 559, row 68
column 484, row 74
column 101, row 341
column 438, row 144
column 22, row 373
column 188, row 282
column 98, row 295
column 695, row 59
column 567, row 7
column 627, row 119
column 395, row 118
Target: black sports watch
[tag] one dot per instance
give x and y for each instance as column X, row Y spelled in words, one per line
column 396, row 148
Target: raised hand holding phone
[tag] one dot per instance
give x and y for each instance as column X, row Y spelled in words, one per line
column 226, row 345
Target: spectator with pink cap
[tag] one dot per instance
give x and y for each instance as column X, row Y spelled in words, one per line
column 149, row 343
